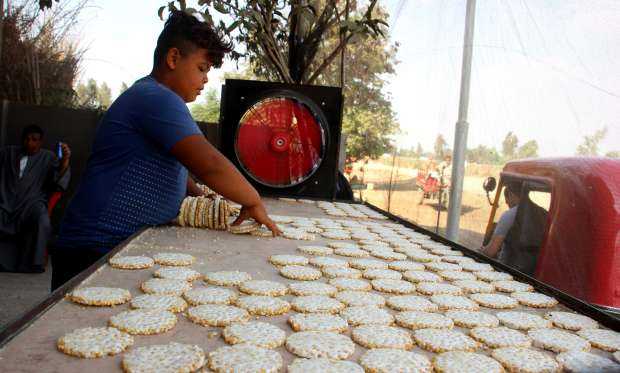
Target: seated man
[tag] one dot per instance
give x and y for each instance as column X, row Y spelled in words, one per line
column 28, row 175
column 519, row 232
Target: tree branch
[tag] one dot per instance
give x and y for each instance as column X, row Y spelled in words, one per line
column 329, row 59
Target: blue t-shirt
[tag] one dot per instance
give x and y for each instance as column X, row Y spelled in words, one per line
column 131, row 179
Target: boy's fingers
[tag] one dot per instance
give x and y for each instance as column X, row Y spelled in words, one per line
column 243, row 215
column 273, row 228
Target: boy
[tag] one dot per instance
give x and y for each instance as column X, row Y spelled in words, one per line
column 137, row 174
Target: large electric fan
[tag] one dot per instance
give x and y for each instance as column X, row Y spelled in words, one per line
column 284, row 138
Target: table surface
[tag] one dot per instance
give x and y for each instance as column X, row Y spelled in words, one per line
column 34, row 349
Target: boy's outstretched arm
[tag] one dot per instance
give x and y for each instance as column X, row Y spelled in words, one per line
column 215, row 170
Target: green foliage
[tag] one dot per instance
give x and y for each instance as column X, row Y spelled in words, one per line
column 441, row 147
column 509, row 146
column 124, row 87
column 209, row 110
column 613, row 154
column 484, row 155
column 365, row 133
column 93, row 96
column 590, row 145
column 528, row 150
column 282, row 38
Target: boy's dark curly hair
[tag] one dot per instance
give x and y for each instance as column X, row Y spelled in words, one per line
column 187, row 33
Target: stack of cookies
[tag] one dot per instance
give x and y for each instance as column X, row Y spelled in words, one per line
column 204, row 212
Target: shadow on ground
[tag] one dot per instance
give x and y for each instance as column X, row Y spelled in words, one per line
column 20, row 292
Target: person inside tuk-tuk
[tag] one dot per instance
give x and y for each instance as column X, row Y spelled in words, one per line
column 518, row 235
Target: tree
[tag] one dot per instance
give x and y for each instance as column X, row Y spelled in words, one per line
column 419, row 151
column 283, row 37
column 528, row 150
column 123, row 88
column 509, row 145
column 209, row 110
column 38, row 64
column 365, row 137
column 93, row 96
column 441, row 147
column 590, row 144
column 613, row 154
column 483, row 155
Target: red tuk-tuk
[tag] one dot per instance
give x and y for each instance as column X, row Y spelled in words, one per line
column 579, row 249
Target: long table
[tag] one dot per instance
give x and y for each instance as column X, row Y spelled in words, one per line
column 30, row 344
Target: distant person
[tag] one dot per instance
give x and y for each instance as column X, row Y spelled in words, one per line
column 519, row 232
column 29, row 175
column 137, row 174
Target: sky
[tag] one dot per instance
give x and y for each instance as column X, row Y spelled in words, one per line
column 547, row 70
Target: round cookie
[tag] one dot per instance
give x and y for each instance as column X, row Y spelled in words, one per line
column 558, row 340
column 474, row 286
column 491, row 276
column 570, row 321
column 433, row 288
column 174, row 259
column 286, row 260
column 343, row 284
column 472, row 319
column 165, row 286
column 298, row 234
column 526, row 360
column 422, row 320
column 314, row 344
column 200, row 296
column 454, row 302
column 351, row 252
column 411, row 303
column 256, row 333
column 170, row 303
column 323, row 365
column 99, row 296
column 522, row 320
column 216, row 314
column 364, row 264
column 393, row 286
column 497, row 301
column 323, row 261
column 245, row 358
column 476, row 267
column 303, row 273
column 335, row 272
column 442, row 266
column 336, row 234
column 366, row 315
column 171, row 357
column 360, row 298
column 131, row 262
column 421, row 276
column 388, row 255
column 319, row 322
column 604, row 339
column 404, row 266
column 144, row 321
column 342, row 245
column 500, row 337
column 465, row 362
column 373, row 274
column 177, row 273
column 227, row 278
column 263, row 305
column 443, row 340
column 315, row 250
column 381, row 336
column 94, row 342
column 312, row 288
column 511, row 286
column 535, row 300
column 585, row 362
column 387, row 360
column 456, row 275
column 317, row 304
column 263, row 287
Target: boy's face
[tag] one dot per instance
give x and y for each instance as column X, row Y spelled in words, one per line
column 32, row 143
column 188, row 72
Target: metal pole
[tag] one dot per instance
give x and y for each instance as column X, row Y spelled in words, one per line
column 460, row 136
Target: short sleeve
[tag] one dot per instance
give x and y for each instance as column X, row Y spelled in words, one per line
column 505, row 222
column 165, row 118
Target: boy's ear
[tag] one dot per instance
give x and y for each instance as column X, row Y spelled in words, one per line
column 172, row 58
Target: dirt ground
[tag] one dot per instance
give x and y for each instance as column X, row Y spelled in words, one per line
column 401, row 198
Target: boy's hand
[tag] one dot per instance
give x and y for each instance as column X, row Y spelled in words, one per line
column 258, row 213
